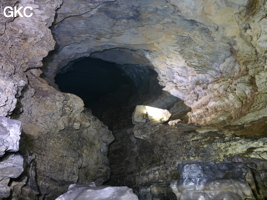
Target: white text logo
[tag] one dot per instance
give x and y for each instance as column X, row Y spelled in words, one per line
column 17, row 11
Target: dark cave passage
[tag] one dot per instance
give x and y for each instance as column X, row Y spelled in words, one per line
column 111, row 84
column 109, row 89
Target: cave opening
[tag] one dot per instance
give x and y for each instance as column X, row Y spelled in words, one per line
column 111, row 83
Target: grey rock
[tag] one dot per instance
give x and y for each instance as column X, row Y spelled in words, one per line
column 211, row 54
column 200, row 51
column 11, row 166
column 155, row 191
column 90, row 191
column 10, row 131
column 258, row 178
column 212, row 181
column 10, row 90
column 81, row 154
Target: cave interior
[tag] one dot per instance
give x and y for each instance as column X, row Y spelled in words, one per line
column 160, row 100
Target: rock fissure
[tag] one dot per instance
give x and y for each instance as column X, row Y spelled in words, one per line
column 78, row 15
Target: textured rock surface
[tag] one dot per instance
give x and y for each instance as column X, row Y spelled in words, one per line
column 209, row 54
column 11, row 165
column 153, row 159
column 69, row 144
column 212, row 181
column 62, row 143
column 90, row 191
column 9, row 92
column 10, row 131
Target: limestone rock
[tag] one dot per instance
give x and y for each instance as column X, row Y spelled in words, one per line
column 159, row 191
column 151, row 153
column 258, row 178
column 212, row 181
column 10, row 131
column 81, row 154
column 174, row 122
column 209, row 54
column 150, row 114
column 90, row 191
column 11, row 166
column 144, row 131
column 9, row 92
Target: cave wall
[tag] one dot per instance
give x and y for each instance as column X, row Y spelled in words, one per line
column 211, row 54
column 61, row 142
column 208, row 53
column 153, row 157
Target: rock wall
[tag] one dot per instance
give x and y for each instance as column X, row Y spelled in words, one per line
column 11, row 164
column 146, row 157
column 70, row 145
column 200, row 180
column 61, row 142
column 208, row 53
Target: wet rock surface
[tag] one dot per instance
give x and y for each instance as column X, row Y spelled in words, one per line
column 90, row 191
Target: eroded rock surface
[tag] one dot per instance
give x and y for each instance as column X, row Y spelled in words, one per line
column 11, row 165
column 212, row 181
column 152, row 157
column 209, row 54
column 70, row 145
column 62, row 143
column 10, row 131
column 90, row 191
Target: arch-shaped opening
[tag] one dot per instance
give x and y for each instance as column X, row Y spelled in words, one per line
column 111, row 83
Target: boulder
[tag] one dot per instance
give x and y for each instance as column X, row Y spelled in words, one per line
column 200, row 180
column 93, row 192
column 10, row 131
column 11, row 165
column 143, row 114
